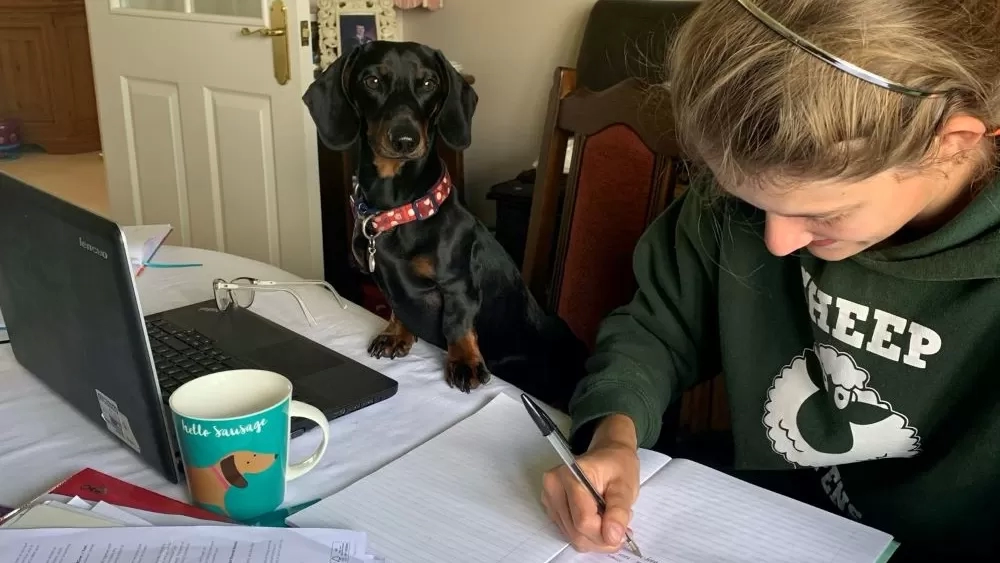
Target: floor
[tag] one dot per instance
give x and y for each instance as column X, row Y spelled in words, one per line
column 79, row 178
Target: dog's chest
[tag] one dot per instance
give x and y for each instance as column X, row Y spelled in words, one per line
column 416, row 302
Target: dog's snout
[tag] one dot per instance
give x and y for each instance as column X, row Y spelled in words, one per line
column 404, row 140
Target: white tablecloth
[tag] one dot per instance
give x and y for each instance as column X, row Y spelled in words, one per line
column 43, row 439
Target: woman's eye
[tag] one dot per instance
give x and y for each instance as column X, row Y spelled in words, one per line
column 832, row 220
column 371, row 82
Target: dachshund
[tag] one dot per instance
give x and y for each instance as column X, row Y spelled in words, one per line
column 446, row 278
column 210, row 484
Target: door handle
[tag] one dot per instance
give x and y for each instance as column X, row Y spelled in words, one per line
column 264, row 32
column 278, row 32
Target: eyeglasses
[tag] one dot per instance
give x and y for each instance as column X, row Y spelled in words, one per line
column 240, row 292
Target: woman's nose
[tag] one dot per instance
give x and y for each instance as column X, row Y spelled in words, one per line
column 784, row 235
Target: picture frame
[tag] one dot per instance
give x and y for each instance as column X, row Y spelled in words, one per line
column 344, row 24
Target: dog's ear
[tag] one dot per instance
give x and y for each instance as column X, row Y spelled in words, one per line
column 454, row 118
column 232, row 473
column 328, row 98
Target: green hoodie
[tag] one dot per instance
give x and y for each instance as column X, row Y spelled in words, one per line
column 879, row 375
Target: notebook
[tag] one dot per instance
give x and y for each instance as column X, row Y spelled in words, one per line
column 472, row 494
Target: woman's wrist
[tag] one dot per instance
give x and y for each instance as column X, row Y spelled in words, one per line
column 616, row 430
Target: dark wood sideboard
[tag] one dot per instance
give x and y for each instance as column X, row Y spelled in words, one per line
column 46, row 77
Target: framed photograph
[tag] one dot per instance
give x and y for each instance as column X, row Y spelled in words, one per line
column 346, row 24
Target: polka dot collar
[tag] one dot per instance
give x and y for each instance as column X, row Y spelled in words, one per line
column 421, row 208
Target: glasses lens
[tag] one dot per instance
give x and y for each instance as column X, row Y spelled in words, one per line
column 242, row 297
column 222, row 299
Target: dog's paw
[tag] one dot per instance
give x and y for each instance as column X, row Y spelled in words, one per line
column 466, row 376
column 391, row 345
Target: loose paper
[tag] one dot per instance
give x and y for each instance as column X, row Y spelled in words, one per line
column 183, row 544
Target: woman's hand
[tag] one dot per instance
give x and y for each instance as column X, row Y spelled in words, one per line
column 612, row 465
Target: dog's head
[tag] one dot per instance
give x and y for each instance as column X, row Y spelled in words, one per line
column 238, row 464
column 399, row 93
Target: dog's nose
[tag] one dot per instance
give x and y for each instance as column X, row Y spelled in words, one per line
column 403, row 141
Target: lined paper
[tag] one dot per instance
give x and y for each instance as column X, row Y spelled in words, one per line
column 470, row 494
column 691, row 513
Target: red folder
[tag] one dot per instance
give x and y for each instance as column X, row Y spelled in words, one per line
column 94, row 486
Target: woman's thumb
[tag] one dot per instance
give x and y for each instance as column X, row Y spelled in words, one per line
column 617, row 513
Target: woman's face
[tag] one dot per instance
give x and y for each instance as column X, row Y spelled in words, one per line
column 836, row 220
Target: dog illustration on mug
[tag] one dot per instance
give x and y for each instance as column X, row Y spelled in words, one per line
column 209, row 485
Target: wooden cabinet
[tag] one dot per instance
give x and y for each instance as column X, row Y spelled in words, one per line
column 46, row 77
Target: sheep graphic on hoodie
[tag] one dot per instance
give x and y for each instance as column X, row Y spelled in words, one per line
column 874, row 381
column 823, row 388
column 823, row 409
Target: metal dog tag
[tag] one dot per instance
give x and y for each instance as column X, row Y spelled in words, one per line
column 371, row 255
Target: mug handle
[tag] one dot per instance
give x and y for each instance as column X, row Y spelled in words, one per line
column 303, row 410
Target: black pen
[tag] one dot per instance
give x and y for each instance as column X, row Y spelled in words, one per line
column 551, row 432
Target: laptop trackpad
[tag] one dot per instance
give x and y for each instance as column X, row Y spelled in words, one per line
column 294, row 358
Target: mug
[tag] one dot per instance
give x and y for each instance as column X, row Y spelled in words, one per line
column 233, row 429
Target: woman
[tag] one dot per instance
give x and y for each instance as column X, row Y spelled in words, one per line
column 839, row 266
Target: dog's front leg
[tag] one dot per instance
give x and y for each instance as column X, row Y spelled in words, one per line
column 466, row 368
column 394, row 342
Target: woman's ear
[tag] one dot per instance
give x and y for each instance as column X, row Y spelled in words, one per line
column 331, row 107
column 961, row 133
column 454, row 119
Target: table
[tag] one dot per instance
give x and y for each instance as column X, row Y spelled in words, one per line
column 43, row 439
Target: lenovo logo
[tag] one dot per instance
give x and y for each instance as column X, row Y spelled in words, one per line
column 91, row 248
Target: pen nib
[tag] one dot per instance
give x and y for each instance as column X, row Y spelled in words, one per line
column 633, row 547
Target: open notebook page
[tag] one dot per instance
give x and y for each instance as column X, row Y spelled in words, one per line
column 690, row 513
column 470, row 494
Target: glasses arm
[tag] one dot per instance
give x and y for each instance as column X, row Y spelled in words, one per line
column 340, row 300
column 268, row 287
column 302, row 304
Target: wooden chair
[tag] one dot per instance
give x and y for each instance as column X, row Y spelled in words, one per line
column 626, row 168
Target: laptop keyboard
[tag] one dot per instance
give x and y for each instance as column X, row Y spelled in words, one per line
column 182, row 355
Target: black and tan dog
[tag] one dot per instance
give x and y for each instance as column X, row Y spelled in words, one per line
column 446, row 278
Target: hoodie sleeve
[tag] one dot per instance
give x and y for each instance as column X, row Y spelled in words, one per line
column 652, row 349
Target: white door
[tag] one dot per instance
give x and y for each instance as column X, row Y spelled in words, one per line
column 197, row 131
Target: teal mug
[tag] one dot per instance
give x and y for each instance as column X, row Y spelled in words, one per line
column 233, row 429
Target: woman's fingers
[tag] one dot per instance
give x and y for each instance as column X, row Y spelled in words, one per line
column 574, row 510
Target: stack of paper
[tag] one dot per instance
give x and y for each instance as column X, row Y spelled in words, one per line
column 128, row 534
column 89, row 488
column 112, row 520
column 184, row 544
column 79, row 513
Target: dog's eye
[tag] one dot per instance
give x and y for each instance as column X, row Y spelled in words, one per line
column 371, row 82
column 428, row 84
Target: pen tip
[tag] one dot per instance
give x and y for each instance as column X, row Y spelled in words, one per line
column 633, row 547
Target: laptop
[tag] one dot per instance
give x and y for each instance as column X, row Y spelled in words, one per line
column 73, row 316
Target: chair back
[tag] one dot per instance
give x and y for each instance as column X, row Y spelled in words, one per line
column 625, row 168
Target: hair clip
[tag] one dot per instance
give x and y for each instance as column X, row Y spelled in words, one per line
column 832, row 59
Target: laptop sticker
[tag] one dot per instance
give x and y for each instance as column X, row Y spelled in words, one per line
column 117, row 422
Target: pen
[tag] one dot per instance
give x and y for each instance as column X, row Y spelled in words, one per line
column 551, row 432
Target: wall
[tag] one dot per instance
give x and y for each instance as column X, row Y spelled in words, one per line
column 512, row 47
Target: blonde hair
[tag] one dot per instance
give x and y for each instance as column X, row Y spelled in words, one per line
column 760, row 109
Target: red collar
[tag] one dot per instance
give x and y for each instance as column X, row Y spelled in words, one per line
column 378, row 222
column 218, row 475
